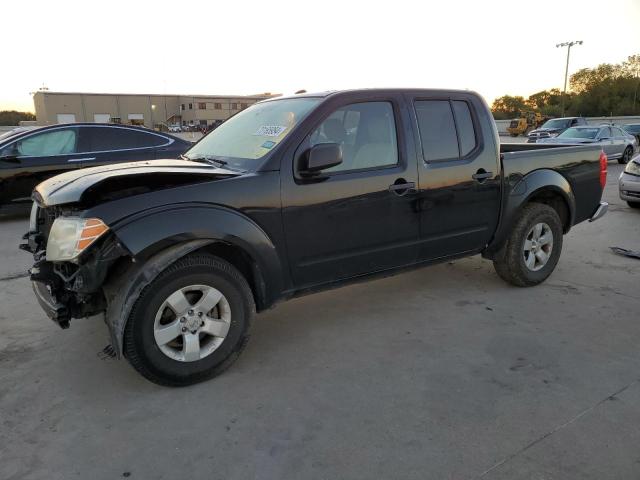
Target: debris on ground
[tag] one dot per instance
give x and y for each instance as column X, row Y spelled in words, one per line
column 107, row 353
column 625, row 252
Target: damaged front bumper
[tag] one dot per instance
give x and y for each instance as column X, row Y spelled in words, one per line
column 69, row 290
column 56, row 311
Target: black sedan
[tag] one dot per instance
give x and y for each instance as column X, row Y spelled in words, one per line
column 31, row 156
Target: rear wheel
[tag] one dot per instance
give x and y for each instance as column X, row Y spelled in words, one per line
column 533, row 248
column 190, row 323
column 634, row 204
column 626, row 156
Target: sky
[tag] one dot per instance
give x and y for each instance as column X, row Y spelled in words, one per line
column 239, row 47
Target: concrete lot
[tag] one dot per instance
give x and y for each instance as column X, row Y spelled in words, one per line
column 442, row 373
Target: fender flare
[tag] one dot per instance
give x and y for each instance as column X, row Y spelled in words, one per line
column 521, row 193
column 121, row 293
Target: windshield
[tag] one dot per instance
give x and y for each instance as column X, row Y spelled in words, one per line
column 252, row 133
column 580, row 133
column 556, row 123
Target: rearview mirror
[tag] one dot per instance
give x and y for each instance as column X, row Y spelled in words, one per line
column 320, row 157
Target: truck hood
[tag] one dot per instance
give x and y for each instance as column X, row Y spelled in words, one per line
column 109, row 182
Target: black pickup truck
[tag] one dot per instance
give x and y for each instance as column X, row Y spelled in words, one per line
column 290, row 196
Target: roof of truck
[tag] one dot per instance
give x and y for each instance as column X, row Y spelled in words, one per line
column 328, row 93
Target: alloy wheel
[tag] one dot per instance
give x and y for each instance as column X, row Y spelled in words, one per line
column 538, row 245
column 192, row 323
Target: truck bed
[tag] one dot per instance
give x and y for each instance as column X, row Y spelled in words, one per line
column 578, row 164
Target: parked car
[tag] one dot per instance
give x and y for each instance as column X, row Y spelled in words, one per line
column 279, row 201
column 616, row 143
column 633, row 129
column 629, row 183
column 31, row 156
column 175, row 128
column 554, row 127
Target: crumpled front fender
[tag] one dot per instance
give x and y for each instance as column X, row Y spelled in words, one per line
column 122, row 292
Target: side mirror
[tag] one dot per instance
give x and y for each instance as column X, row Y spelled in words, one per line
column 320, row 157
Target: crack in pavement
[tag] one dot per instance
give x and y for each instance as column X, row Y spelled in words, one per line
column 571, row 283
column 14, row 276
column 554, row 430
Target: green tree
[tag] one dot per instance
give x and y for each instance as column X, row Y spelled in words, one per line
column 12, row 117
column 608, row 89
column 507, row 107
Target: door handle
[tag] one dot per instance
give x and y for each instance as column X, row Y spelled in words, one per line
column 481, row 175
column 401, row 187
column 86, row 159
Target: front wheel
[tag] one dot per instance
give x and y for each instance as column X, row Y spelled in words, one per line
column 533, row 248
column 634, row 204
column 190, row 323
column 626, row 156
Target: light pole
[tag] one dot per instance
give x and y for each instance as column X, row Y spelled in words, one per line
column 635, row 92
column 566, row 70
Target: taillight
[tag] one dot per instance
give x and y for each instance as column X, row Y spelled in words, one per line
column 603, row 169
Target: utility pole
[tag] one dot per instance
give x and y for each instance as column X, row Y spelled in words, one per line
column 635, row 92
column 566, row 70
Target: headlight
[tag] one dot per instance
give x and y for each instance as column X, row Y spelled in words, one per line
column 70, row 236
column 554, row 134
column 633, row 168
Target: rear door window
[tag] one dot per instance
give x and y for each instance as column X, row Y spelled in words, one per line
column 114, row 138
column 464, row 124
column 446, row 129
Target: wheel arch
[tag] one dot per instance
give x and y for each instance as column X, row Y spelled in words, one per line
column 158, row 240
column 542, row 186
column 229, row 234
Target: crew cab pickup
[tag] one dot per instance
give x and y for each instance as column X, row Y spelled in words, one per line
column 293, row 195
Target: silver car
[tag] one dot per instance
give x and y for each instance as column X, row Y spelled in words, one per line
column 616, row 143
column 629, row 183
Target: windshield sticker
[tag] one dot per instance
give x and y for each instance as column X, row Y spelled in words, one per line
column 268, row 144
column 270, row 130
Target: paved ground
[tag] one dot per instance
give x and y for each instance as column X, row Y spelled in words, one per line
column 443, row 373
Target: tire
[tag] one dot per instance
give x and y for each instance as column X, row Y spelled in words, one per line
column 510, row 263
column 626, row 156
column 188, row 281
column 634, row 204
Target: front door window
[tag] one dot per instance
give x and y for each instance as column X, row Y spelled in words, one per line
column 55, row 142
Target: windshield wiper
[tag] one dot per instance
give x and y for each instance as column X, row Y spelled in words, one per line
column 206, row 158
